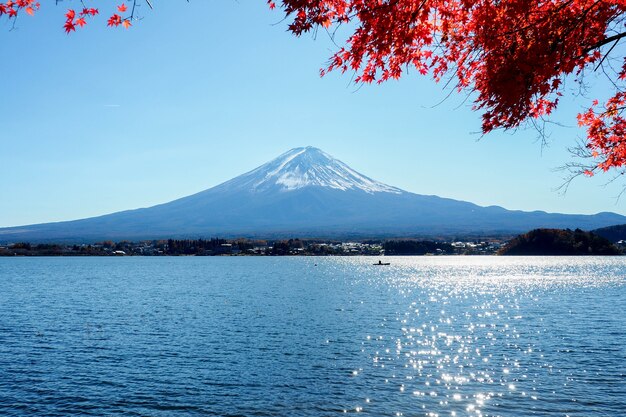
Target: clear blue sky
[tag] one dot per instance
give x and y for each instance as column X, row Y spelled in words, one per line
column 196, row 93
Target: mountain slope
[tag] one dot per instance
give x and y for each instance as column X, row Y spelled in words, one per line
column 613, row 233
column 304, row 192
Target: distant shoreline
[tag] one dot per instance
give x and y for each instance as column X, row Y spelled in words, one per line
column 537, row 242
column 245, row 247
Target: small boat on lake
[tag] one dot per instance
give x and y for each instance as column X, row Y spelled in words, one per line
column 381, row 263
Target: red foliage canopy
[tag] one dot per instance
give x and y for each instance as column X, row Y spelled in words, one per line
column 73, row 18
column 514, row 54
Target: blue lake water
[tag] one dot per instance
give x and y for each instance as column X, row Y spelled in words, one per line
column 244, row 336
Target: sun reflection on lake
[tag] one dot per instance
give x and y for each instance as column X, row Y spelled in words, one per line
column 470, row 340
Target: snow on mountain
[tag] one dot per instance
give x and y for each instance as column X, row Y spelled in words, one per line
column 306, row 167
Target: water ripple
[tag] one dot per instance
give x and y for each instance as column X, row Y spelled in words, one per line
column 444, row 336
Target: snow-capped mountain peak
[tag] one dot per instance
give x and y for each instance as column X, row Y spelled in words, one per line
column 300, row 194
column 307, row 167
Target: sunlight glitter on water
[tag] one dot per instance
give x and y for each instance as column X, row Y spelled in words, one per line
column 425, row 336
column 464, row 335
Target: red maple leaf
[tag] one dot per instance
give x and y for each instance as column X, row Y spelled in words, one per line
column 69, row 26
column 114, row 20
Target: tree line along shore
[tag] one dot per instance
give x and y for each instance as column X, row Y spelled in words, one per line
column 248, row 247
column 535, row 242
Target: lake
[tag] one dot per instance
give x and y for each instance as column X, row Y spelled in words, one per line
column 290, row 336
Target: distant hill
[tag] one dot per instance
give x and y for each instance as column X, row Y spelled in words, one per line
column 612, row 233
column 305, row 193
column 559, row 242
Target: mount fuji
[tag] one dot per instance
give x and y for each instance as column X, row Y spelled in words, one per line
column 306, row 193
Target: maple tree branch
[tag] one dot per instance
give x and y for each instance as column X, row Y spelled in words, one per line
column 610, row 78
column 132, row 11
column 607, row 54
column 13, row 25
column 575, row 169
column 391, row 4
column 543, row 18
column 606, row 41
